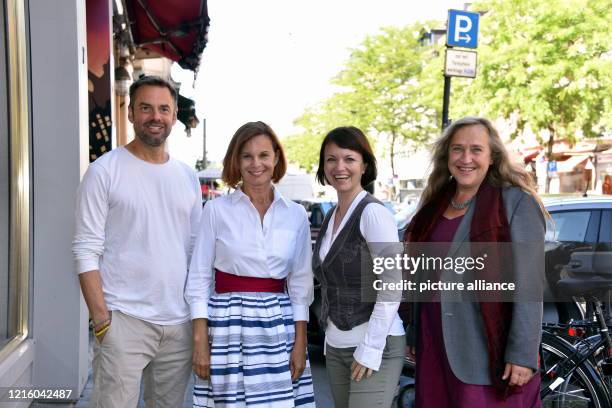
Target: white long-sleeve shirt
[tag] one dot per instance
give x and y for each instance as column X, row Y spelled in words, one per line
column 377, row 226
column 234, row 240
column 136, row 223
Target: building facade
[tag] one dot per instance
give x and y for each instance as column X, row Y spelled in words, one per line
column 43, row 153
column 45, row 147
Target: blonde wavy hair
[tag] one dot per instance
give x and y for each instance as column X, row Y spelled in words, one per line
column 501, row 173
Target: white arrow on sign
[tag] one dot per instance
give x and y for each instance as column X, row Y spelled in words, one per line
column 463, row 24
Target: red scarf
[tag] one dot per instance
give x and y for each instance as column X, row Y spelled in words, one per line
column 489, row 224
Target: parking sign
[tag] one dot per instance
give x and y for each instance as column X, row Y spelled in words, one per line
column 462, row 29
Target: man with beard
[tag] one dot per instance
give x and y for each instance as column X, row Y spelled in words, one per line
column 137, row 214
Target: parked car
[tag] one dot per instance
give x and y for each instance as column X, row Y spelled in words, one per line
column 578, row 245
column 316, row 208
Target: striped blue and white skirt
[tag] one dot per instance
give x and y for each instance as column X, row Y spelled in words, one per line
column 252, row 335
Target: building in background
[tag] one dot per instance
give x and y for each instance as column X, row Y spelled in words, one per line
column 65, row 74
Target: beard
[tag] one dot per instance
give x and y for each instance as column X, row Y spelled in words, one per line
column 151, row 140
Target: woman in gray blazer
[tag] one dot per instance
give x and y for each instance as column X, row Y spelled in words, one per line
column 480, row 351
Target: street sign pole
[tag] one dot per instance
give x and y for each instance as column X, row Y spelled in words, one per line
column 462, row 31
column 446, row 101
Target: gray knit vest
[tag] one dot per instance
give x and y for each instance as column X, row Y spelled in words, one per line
column 343, row 285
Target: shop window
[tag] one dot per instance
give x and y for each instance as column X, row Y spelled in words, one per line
column 4, row 191
column 14, row 177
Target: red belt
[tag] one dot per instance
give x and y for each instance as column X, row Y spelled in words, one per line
column 226, row 282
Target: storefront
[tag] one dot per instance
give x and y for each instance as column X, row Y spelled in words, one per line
column 45, row 147
column 43, row 152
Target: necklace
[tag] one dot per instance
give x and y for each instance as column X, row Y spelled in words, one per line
column 461, row 206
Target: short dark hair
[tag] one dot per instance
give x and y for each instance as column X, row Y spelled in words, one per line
column 152, row 80
column 231, row 162
column 349, row 137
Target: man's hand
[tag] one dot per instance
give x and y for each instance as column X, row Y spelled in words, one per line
column 91, row 286
column 517, row 375
column 101, row 325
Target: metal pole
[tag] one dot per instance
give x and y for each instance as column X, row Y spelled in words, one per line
column 445, row 103
column 204, row 162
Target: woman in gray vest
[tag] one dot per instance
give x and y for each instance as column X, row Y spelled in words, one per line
column 479, row 349
column 364, row 336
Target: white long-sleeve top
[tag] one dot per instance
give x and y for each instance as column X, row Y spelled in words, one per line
column 136, row 223
column 234, row 240
column 377, row 226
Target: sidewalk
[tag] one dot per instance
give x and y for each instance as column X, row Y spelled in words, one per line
column 321, row 385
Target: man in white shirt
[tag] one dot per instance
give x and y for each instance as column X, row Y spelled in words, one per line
column 137, row 215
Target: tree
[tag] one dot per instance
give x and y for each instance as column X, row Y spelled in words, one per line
column 317, row 121
column 385, row 78
column 547, row 61
column 387, row 89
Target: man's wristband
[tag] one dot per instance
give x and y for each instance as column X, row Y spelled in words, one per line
column 100, row 324
column 102, row 330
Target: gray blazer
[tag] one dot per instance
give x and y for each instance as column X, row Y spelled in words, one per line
column 462, row 326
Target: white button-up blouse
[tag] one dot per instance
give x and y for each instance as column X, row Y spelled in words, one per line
column 233, row 239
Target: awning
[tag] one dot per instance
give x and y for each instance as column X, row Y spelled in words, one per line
column 567, row 166
column 186, row 113
column 528, row 154
column 209, row 174
column 175, row 29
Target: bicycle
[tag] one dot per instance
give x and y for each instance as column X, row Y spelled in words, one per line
column 576, row 357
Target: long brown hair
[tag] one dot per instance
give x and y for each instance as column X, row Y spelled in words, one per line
column 502, row 172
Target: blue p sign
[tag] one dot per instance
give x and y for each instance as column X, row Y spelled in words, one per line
column 462, row 29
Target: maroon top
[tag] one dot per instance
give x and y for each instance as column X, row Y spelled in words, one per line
column 436, row 384
column 445, row 230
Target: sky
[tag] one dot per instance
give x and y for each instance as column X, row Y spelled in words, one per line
column 271, row 59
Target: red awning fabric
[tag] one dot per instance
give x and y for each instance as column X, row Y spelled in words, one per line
column 175, row 29
column 529, row 154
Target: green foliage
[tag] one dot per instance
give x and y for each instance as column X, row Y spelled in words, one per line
column 382, row 92
column 386, row 76
column 303, row 149
column 546, row 62
column 549, row 61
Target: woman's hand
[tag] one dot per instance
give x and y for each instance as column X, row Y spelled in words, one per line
column 517, row 375
column 201, row 349
column 411, row 353
column 358, row 371
column 297, row 360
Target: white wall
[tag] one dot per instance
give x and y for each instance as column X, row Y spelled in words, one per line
column 59, row 155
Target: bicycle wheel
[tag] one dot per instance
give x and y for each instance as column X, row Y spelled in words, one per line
column 583, row 389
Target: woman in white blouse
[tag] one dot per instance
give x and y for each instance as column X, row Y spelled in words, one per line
column 364, row 338
column 250, row 284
